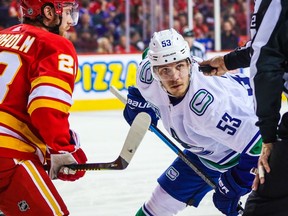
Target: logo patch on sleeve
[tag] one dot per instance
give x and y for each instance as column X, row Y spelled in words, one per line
column 200, row 101
column 145, row 73
column 172, row 173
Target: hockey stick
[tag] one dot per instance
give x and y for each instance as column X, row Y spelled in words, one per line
column 168, row 142
column 176, row 149
column 135, row 135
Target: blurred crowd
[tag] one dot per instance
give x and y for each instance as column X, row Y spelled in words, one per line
column 101, row 27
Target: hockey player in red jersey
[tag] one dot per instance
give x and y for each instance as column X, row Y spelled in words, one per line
column 38, row 66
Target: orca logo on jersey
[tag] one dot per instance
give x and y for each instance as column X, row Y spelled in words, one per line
column 136, row 104
column 172, row 173
column 200, row 101
column 145, row 74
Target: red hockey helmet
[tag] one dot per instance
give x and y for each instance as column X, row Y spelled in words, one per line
column 32, row 8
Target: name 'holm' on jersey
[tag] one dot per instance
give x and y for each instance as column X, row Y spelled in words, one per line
column 13, row 41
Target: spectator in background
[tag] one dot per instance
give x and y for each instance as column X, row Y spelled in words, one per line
column 86, row 37
column 98, row 6
column 101, row 23
column 14, row 13
column 120, row 24
column 177, row 25
column 196, row 48
column 108, row 16
column 241, row 16
column 134, row 12
column 104, row 46
column 84, row 7
column 201, row 30
column 179, row 6
column 121, row 46
column 85, row 42
column 85, row 24
column 183, row 21
column 136, row 41
column 206, row 8
column 4, row 14
column 229, row 40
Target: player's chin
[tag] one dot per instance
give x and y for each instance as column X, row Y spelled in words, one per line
column 64, row 31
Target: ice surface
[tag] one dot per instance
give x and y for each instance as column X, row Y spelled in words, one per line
column 118, row 193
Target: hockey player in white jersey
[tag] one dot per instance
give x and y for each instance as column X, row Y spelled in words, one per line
column 196, row 48
column 212, row 117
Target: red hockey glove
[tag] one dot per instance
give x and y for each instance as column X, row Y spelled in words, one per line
column 58, row 160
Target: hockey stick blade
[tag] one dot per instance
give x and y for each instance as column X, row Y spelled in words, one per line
column 135, row 135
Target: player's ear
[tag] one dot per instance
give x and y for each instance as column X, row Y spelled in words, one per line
column 48, row 13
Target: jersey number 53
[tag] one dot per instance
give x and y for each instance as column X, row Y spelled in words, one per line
column 229, row 124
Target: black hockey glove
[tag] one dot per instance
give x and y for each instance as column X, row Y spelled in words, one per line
column 228, row 193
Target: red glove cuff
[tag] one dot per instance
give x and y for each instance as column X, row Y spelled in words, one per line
column 81, row 158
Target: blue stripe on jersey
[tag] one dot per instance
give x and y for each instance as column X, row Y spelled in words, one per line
column 145, row 210
column 245, row 82
column 253, row 141
column 233, row 153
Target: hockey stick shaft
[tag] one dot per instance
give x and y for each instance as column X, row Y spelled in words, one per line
column 175, row 148
column 181, row 155
column 134, row 137
column 118, row 164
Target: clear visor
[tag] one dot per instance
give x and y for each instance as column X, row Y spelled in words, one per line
column 172, row 71
column 73, row 10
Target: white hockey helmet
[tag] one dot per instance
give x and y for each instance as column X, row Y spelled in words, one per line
column 166, row 47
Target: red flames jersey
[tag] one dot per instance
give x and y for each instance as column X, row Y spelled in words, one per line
column 37, row 73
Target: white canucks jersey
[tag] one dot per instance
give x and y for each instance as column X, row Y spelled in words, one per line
column 215, row 120
column 198, row 49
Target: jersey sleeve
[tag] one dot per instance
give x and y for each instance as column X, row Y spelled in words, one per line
column 238, row 58
column 50, row 97
column 144, row 77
